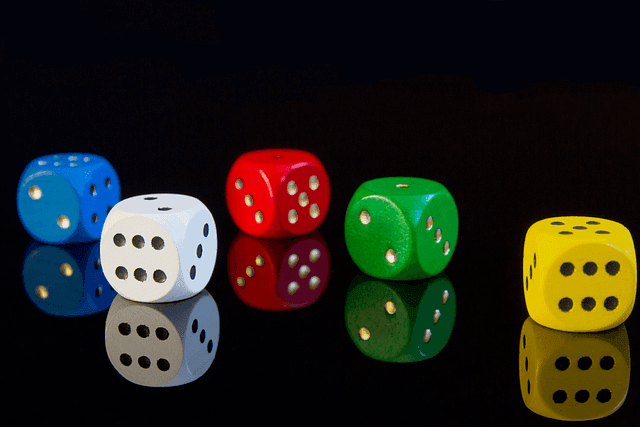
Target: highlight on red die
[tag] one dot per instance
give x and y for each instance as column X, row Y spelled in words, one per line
column 279, row 274
column 278, row 193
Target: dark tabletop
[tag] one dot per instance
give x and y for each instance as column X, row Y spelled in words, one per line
column 523, row 113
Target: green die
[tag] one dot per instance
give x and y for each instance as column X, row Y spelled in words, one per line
column 401, row 228
column 399, row 322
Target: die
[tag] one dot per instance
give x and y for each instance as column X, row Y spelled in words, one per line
column 278, row 274
column 65, row 198
column 277, row 193
column 162, row 345
column 401, row 228
column 159, row 247
column 400, row 322
column 66, row 280
column 573, row 376
column 579, row 273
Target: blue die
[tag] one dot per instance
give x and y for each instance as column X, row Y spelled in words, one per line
column 66, row 280
column 65, row 198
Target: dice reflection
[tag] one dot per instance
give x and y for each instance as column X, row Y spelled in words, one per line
column 400, row 322
column 282, row 274
column 66, row 280
column 573, row 376
column 162, row 344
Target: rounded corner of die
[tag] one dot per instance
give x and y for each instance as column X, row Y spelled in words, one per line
column 537, row 227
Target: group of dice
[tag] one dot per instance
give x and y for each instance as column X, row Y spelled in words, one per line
column 579, row 272
column 153, row 248
column 162, row 247
column 396, row 228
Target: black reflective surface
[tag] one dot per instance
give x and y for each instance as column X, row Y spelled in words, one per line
column 521, row 114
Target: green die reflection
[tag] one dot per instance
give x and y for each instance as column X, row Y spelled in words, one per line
column 401, row 228
column 399, row 322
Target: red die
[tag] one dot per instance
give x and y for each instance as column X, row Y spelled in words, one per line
column 278, row 274
column 277, row 193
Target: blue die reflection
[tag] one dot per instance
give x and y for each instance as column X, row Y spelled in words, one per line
column 65, row 198
column 66, row 280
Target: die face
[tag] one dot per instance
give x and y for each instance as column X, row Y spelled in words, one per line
column 270, row 274
column 302, row 200
column 392, row 322
column 66, row 280
column 162, row 345
column 283, row 159
column 200, row 341
column 589, row 299
column 159, row 205
column 252, row 267
column 377, row 319
column 436, row 318
column 98, row 194
column 65, row 198
column 579, row 273
column 264, row 186
column 139, row 258
column 53, row 280
column 304, row 272
column 378, row 237
column 573, row 376
column 403, row 186
column 576, row 228
column 251, row 200
column 437, row 233
column 198, row 251
column 97, row 289
column 48, row 207
column 139, row 339
column 159, row 247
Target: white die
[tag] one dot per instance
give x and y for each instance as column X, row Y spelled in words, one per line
column 162, row 345
column 158, row 247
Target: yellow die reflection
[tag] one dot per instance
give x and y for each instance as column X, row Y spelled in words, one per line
column 573, row 376
column 579, row 273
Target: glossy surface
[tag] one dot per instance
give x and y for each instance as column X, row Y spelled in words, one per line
column 65, row 198
column 491, row 99
column 579, row 273
column 278, row 274
column 573, row 376
column 401, row 228
column 277, row 193
column 400, row 322
column 66, row 280
column 162, row 345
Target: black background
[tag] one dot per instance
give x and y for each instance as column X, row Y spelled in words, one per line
column 523, row 111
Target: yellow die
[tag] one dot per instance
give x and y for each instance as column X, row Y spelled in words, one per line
column 579, row 273
column 573, row 376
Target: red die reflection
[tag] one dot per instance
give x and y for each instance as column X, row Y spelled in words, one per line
column 278, row 274
column 277, row 193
